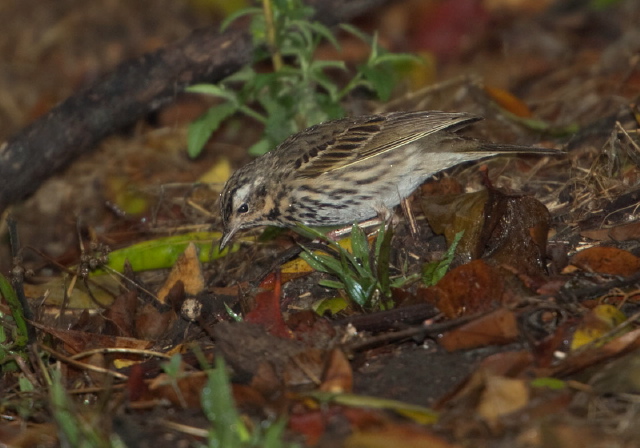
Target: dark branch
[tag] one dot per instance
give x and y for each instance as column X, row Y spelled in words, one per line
column 133, row 90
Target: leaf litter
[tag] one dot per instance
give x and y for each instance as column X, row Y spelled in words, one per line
column 536, row 317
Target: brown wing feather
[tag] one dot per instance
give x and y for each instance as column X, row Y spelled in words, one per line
column 334, row 146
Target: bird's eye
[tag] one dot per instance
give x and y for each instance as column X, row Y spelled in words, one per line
column 244, row 208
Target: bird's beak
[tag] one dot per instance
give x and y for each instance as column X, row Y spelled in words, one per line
column 226, row 236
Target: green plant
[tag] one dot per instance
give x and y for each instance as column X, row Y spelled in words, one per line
column 433, row 271
column 228, row 429
column 298, row 93
column 75, row 428
column 362, row 273
column 13, row 344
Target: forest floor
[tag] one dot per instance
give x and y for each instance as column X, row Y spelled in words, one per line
column 531, row 339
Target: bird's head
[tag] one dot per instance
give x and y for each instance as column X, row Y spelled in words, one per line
column 245, row 202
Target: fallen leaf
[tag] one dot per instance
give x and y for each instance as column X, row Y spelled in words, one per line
column 338, row 375
column 310, row 423
column 19, row 434
column 419, row 414
column 80, row 341
column 163, row 253
column 450, row 214
column 607, row 260
column 509, row 230
column 625, row 232
column 499, row 327
column 266, row 312
column 187, row 270
column 184, row 391
column 151, row 323
column 595, row 324
column 582, row 359
column 304, row 369
column 120, row 315
column 396, row 435
column 468, row 289
column 126, row 196
column 508, row 101
column 246, row 346
column 502, row 396
column 218, row 173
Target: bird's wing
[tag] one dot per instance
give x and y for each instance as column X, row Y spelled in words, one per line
column 337, row 145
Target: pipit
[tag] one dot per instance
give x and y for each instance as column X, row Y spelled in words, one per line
column 345, row 171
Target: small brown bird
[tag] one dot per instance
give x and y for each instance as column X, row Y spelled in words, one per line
column 346, row 170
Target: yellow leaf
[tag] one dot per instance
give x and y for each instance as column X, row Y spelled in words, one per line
column 597, row 323
column 218, row 173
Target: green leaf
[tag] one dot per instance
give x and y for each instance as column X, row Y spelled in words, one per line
column 236, row 15
column 274, row 435
column 602, row 4
column 356, row 32
column 25, row 384
column 433, row 272
column 326, row 283
column 172, row 366
column 325, row 32
column 200, row 130
column 244, row 75
column 330, row 101
column 213, row 90
column 397, row 58
column 380, row 81
column 227, row 430
column 333, row 306
column 360, row 245
column 21, row 337
column 164, row 252
column 419, row 414
column 314, row 261
column 308, row 232
column 232, row 314
column 355, row 290
column 327, row 263
column 383, row 256
column 259, row 148
column 549, row 383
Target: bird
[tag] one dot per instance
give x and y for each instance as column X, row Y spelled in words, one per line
column 347, row 170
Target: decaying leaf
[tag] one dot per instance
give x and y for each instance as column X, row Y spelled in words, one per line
column 468, row 289
column 499, row 327
column 506, row 229
column 188, row 270
column 607, row 260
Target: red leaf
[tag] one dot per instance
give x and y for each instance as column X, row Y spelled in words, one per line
column 267, row 311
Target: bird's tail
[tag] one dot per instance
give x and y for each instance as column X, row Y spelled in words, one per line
column 499, row 148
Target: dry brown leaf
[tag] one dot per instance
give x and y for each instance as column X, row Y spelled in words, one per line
column 396, row 436
column 502, row 396
column 152, row 324
column 187, row 269
column 338, row 375
column 468, row 289
column 184, row 392
column 80, row 341
column 496, row 328
column 607, row 260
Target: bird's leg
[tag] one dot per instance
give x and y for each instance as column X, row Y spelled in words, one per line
column 339, row 233
column 408, row 212
column 385, row 215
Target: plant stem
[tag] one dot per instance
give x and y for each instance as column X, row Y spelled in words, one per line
column 276, row 57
